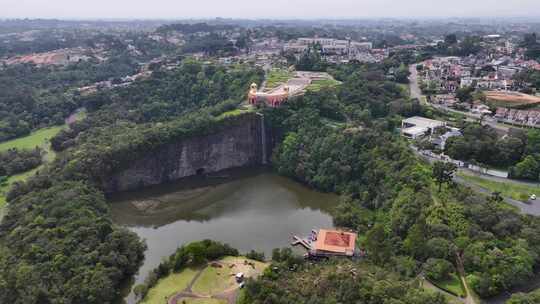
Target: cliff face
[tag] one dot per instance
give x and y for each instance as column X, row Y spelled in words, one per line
column 236, row 145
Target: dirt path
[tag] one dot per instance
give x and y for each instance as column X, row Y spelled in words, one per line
column 414, row 88
column 461, row 270
column 189, row 288
column 229, row 295
column 429, row 285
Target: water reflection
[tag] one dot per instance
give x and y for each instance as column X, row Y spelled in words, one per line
column 249, row 210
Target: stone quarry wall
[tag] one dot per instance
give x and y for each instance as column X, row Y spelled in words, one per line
column 236, row 145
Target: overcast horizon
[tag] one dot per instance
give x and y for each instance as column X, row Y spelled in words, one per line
column 277, row 9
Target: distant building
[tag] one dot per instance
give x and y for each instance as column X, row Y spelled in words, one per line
column 481, row 109
column 440, row 142
column 329, row 46
column 417, row 126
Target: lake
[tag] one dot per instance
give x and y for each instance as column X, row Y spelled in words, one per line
column 248, row 209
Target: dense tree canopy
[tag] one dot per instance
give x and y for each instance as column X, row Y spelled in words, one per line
column 58, row 242
column 391, row 199
column 60, row 246
column 15, row 161
column 289, row 280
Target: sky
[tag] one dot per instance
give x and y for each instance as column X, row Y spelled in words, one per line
column 281, row 9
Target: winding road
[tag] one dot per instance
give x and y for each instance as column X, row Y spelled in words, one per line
column 416, row 93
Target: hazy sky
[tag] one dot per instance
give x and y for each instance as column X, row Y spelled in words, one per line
column 265, row 8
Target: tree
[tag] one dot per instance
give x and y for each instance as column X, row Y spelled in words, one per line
column 438, row 247
column 443, row 172
column 402, row 74
column 529, row 40
column 438, row 269
column 377, row 244
column 528, row 168
column 525, row 298
column 415, row 243
column 450, row 39
column 465, row 94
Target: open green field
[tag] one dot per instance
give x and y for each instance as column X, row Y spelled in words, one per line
column 317, row 85
column 452, row 285
column 169, row 286
column 277, row 77
column 211, row 280
column 520, row 192
column 450, row 298
column 39, row 138
column 214, row 280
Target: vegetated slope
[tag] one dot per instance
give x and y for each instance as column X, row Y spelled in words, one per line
column 390, row 197
column 33, row 97
column 293, row 280
column 166, row 95
column 60, row 245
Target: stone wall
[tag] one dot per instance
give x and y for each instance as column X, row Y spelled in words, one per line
column 236, row 145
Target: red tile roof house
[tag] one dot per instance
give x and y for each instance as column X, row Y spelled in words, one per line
column 334, row 243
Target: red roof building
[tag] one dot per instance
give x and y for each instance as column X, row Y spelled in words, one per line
column 332, row 242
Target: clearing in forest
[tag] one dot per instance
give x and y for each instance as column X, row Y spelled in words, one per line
column 511, row 99
column 170, row 285
column 213, row 284
column 39, row 138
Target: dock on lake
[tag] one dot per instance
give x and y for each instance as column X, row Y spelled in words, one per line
column 300, row 241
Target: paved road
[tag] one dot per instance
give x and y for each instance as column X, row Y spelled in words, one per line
column 417, row 93
column 413, row 83
column 526, row 208
column 532, row 208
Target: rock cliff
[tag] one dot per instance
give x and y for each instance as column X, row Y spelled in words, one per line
column 237, row 145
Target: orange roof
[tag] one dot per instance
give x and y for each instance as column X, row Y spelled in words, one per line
column 336, row 241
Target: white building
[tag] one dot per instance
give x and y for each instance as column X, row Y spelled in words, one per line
column 329, row 46
column 417, row 126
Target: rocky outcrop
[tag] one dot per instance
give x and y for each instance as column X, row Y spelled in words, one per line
column 237, row 145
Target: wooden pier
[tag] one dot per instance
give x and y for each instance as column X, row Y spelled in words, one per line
column 300, row 241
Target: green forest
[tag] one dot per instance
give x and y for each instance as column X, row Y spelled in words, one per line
column 392, row 199
column 58, row 243
column 389, row 196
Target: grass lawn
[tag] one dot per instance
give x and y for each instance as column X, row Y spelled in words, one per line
column 37, row 138
column 211, row 281
column 317, row 85
column 201, row 301
column 277, row 77
column 451, row 300
column 452, row 285
column 215, row 280
column 520, row 192
column 169, row 286
column 248, row 270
